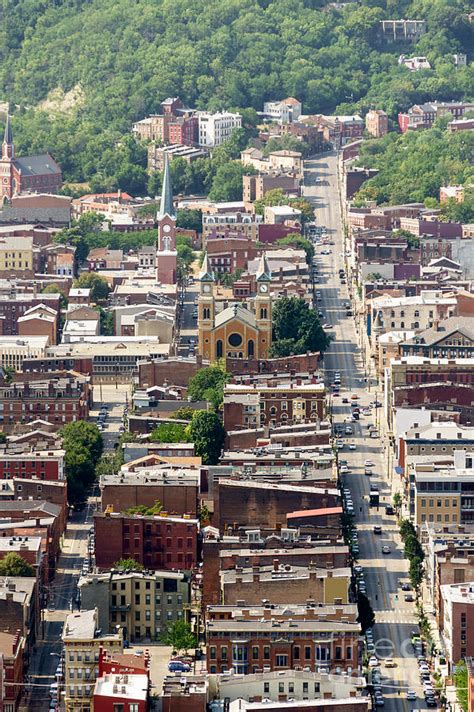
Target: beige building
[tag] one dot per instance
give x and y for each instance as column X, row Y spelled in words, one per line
column 388, row 347
column 284, row 161
column 16, row 253
column 142, row 604
column 82, row 640
column 13, row 349
column 376, row 123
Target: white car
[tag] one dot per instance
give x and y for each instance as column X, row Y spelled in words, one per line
column 352, row 446
column 368, row 463
column 344, row 469
column 373, row 661
column 411, row 695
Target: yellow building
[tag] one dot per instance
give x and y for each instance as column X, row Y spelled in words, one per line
column 240, row 330
column 16, row 253
column 82, row 640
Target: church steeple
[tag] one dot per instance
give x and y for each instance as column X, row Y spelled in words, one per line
column 8, row 148
column 166, row 203
column 263, row 273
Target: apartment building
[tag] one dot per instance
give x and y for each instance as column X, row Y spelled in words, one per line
column 215, row 129
column 376, row 123
column 31, row 464
column 16, row 254
column 284, row 111
column 451, row 338
column 239, row 224
column 422, row 116
column 83, row 641
column 280, row 583
column 273, row 402
column 458, row 621
column 14, row 349
column 443, row 494
column 285, row 685
column 157, row 542
column 58, row 398
column 142, row 603
column 252, row 639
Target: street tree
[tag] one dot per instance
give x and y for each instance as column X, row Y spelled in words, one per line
column 15, row 565
column 180, row 637
column 208, row 384
column 207, row 433
column 296, row 328
column 98, row 285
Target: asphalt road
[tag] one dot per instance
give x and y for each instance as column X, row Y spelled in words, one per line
column 395, row 618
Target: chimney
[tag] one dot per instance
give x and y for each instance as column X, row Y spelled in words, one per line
column 275, row 564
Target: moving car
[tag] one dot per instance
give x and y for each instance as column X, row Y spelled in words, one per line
column 389, row 509
column 352, row 446
column 373, row 661
column 178, row 666
column 409, row 598
column 390, row 663
column 377, row 530
column 411, row 695
column 386, row 550
column 368, row 463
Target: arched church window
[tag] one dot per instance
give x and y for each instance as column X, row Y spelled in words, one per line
column 250, row 347
column 219, row 350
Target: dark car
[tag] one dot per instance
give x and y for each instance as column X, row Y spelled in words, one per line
column 406, row 587
column 409, row 598
column 431, row 702
column 377, row 530
column 389, row 509
column 345, row 400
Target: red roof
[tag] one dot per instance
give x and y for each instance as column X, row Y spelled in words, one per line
column 314, row 512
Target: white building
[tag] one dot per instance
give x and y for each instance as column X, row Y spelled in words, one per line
column 13, row 349
column 215, row 129
column 283, row 111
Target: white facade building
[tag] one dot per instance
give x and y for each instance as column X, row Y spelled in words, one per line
column 215, row 129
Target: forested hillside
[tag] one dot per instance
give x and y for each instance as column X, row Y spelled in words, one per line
column 122, row 57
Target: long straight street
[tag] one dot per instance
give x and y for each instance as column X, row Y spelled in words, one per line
column 383, row 573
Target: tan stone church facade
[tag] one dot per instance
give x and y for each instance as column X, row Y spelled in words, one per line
column 240, row 330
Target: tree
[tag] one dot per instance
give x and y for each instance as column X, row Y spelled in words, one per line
column 406, row 529
column 13, row 564
column 366, row 616
column 3, row 437
column 169, row 433
column 128, row 564
column 189, row 220
column 397, row 500
column 416, row 572
column 183, row 413
column 207, row 433
column 156, row 508
column 300, row 243
column 83, row 445
column 227, row 182
column 180, row 637
column 208, row 384
column 98, row 285
column 296, row 328
column 413, row 548
column 461, row 683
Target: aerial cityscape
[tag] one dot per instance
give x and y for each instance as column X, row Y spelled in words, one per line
column 237, row 356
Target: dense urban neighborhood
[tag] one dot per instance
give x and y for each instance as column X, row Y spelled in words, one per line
column 237, row 356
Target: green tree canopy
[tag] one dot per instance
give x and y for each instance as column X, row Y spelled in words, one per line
column 299, row 242
column 54, row 289
column 180, row 637
column 13, row 564
column 461, row 683
column 208, row 384
column 98, row 285
column 128, row 564
column 296, row 328
column 207, row 433
column 83, row 445
column 169, row 433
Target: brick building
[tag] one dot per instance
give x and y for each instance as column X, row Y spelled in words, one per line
column 282, row 637
column 176, row 488
column 14, row 304
column 184, row 693
column 280, row 583
column 20, row 607
column 12, row 648
column 254, row 187
column 249, row 503
column 21, row 174
column 59, row 397
column 117, row 693
column 228, row 253
column 276, row 402
column 354, row 179
column 42, row 465
column 157, row 542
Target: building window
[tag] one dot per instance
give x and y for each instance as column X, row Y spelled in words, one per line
column 212, row 652
column 266, row 652
column 266, row 688
column 281, row 660
column 296, row 652
column 255, row 652
column 307, row 652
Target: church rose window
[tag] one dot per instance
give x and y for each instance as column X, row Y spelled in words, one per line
column 235, row 339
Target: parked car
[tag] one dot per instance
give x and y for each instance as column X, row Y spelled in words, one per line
column 178, row 666
column 377, row 530
column 386, row 550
